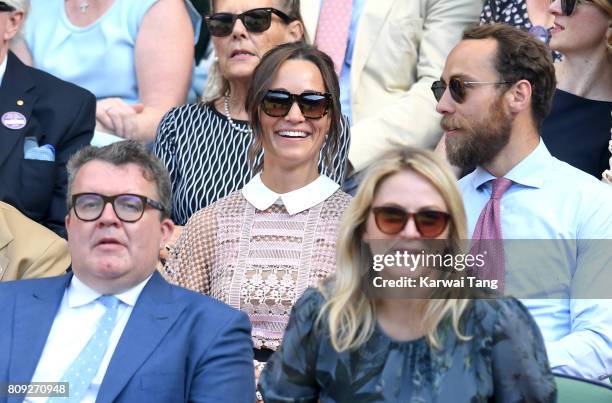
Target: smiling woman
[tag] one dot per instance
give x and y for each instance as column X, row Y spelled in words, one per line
column 205, row 145
column 259, row 248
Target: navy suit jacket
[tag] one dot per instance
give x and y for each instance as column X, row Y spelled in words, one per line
column 57, row 113
column 177, row 346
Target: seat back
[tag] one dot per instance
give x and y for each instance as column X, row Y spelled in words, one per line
column 571, row 389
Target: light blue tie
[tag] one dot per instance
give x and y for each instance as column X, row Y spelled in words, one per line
column 83, row 369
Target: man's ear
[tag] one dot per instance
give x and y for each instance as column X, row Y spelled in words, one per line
column 295, row 31
column 519, row 96
column 167, row 227
column 14, row 23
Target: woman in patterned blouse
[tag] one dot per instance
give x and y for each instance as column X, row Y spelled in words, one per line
column 204, row 145
column 348, row 341
column 258, row 249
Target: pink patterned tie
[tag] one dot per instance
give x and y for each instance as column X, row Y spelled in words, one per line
column 488, row 227
column 333, row 29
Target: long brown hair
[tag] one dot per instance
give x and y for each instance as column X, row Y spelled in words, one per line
column 264, row 75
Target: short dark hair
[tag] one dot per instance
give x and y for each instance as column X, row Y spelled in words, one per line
column 265, row 73
column 123, row 153
column 520, row 56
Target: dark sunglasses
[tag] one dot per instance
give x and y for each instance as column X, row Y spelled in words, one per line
column 127, row 207
column 313, row 105
column 569, row 6
column 6, row 7
column 255, row 20
column 392, row 220
column 458, row 87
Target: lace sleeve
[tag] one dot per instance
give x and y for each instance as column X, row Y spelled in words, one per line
column 191, row 258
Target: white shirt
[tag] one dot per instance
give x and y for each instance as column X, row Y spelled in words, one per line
column 73, row 326
column 3, row 68
column 296, row 201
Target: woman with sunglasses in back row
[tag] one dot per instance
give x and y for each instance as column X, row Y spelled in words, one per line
column 346, row 342
column 259, row 248
column 577, row 129
column 205, row 145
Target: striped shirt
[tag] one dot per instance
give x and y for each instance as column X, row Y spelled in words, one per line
column 207, row 158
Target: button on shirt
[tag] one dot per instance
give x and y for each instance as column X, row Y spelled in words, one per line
column 73, row 326
column 550, row 200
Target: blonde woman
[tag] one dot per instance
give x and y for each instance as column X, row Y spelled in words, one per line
column 341, row 345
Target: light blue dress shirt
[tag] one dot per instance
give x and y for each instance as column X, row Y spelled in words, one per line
column 345, row 73
column 551, row 200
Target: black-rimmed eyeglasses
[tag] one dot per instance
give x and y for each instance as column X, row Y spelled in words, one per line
column 256, row 20
column 128, row 207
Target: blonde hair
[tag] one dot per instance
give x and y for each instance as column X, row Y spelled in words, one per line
column 351, row 315
column 217, row 85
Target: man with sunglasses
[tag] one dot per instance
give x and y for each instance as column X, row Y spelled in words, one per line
column 43, row 121
column 390, row 53
column 494, row 93
column 114, row 329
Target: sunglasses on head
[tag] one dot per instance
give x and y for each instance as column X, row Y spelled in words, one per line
column 6, row 7
column 255, row 20
column 313, row 105
column 392, row 220
column 458, row 87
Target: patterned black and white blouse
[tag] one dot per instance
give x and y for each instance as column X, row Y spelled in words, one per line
column 207, row 157
column 511, row 12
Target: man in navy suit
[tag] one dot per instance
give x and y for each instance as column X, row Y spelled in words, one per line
column 43, row 121
column 115, row 329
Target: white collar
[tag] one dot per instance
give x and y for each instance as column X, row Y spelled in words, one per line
column 80, row 294
column 3, row 68
column 296, row 201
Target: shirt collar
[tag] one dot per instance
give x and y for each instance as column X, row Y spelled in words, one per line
column 530, row 172
column 80, row 294
column 296, row 201
column 3, row 68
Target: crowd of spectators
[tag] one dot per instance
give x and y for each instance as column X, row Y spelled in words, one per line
column 195, row 194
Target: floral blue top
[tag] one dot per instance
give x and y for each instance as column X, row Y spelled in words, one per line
column 505, row 360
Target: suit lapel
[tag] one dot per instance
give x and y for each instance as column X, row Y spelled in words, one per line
column 373, row 17
column 153, row 315
column 34, row 315
column 16, row 85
